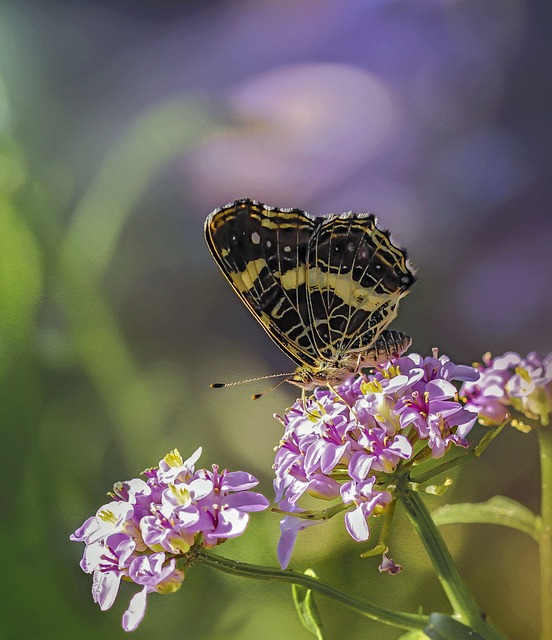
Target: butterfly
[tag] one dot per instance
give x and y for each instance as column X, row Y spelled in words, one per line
column 323, row 288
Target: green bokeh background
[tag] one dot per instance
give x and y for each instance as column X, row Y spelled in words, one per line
column 114, row 320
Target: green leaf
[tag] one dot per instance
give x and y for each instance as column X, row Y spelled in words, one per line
column 489, row 436
column 375, row 551
column 443, row 627
column 498, row 510
column 306, row 608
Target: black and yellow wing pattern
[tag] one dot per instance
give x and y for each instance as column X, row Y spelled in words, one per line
column 323, row 288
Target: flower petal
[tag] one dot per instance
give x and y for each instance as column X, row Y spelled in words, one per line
column 105, row 586
column 136, row 610
column 247, row 501
column 238, row 481
column 290, row 527
column 388, row 565
column 231, row 524
column 356, row 524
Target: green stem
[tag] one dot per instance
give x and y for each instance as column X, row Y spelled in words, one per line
column 388, row 521
column 399, row 619
column 462, row 458
column 545, row 542
column 460, row 597
column 438, row 470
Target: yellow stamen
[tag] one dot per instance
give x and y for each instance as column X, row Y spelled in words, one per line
column 107, row 516
column 181, row 493
column 173, row 458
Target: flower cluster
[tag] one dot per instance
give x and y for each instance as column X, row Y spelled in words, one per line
column 341, row 445
column 150, row 523
column 512, row 382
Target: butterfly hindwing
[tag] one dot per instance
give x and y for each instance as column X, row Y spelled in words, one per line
column 358, row 278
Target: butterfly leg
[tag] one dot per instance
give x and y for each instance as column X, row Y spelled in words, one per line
column 338, row 395
column 304, row 399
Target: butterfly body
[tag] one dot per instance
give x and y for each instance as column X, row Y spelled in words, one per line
column 323, row 288
column 389, row 345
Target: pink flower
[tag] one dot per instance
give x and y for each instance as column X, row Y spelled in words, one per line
column 155, row 574
column 365, row 499
column 151, row 523
column 337, row 445
column 512, row 382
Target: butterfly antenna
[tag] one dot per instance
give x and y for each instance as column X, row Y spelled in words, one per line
column 256, row 396
column 220, row 385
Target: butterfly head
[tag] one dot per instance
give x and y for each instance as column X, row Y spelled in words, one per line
column 326, row 375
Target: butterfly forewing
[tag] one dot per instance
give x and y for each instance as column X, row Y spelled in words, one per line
column 263, row 253
column 323, row 288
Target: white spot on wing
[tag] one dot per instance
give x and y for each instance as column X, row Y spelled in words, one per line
column 255, row 238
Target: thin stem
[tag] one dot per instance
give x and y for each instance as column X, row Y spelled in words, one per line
column 399, row 619
column 460, row 597
column 388, row 521
column 545, row 542
column 462, row 458
column 314, row 514
column 443, row 468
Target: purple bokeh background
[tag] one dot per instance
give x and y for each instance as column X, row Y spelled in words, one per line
column 434, row 114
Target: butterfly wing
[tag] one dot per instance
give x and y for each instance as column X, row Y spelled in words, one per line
column 262, row 251
column 355, row 279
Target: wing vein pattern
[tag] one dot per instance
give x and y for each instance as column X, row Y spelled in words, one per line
column 323, row 288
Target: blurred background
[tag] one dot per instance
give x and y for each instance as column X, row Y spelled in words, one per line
column 123, row 123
